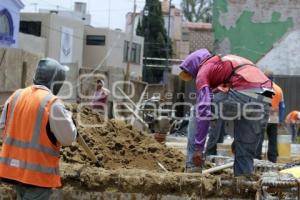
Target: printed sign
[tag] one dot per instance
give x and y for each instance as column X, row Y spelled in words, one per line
column 66, row 49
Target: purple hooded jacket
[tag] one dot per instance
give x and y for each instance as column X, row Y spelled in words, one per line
column 204, row 96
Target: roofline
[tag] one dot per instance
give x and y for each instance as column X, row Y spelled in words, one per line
column 19, row 3
column 197, row 26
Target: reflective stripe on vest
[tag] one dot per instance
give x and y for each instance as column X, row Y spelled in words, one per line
column 26, row 145
column 34, row 144
column 30, row 166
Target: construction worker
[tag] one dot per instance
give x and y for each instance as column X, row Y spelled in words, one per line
column 291, row 120
column 100, row 97
column 34, row 124
column 276, row 117
column 247, row 102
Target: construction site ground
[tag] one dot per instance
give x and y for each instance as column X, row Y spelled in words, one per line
column 133, row 166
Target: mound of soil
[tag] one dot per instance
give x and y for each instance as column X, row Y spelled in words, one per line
column 118, row 145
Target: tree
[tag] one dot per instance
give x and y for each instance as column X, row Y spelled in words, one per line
column 197, row 10
column 151, row 27
column 157, row 43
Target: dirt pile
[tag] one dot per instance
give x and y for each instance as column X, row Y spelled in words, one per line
column 118, row 145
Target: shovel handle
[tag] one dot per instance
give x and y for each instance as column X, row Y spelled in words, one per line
column 88, row 151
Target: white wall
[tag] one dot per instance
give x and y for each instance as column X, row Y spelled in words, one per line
column 284, row 58
column 94, row 55
column 32, row 44
column 111, row 55
column 116, row 46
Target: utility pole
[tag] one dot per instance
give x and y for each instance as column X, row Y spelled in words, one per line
column 168, row 49
column 127, row 73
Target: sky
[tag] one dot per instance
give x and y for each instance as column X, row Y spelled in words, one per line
column 105, row 13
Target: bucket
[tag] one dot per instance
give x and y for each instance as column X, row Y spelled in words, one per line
column 160, row 137
column 284, row 145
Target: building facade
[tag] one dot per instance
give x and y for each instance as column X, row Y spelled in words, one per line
column 82, row 47
column 63, row 42
column 9, row 23
column 105, row 48
column 266, row 32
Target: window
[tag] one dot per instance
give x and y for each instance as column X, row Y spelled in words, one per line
column 6, row 27
column 31, row 27
column 97, row 40
column 135, row 52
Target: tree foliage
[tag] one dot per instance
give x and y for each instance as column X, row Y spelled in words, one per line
column 151, row 27
column 197, row 10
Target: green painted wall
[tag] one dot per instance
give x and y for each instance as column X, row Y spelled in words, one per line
column 249, row 39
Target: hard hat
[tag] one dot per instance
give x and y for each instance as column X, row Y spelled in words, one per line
column 50, row 73
column 185, row 76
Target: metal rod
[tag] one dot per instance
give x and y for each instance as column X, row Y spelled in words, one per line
column 162, row 167
column 127, row 97
column 136, row 110
column 218, row 168
column 130, row 110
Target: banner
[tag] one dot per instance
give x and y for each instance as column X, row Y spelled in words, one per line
column 66, row 49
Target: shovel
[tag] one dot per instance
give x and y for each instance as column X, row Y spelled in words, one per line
column 87, row 150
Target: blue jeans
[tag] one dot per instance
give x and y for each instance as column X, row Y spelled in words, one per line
column 216, row 135
column 191, row 132
column 292, row 131
column 246, row 132
column 272, row 132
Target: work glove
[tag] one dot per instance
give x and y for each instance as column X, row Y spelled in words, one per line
column 233, row 147
column 198, row 160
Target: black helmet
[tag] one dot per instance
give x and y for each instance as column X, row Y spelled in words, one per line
column 51, row 74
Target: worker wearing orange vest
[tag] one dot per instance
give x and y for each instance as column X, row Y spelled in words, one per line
column 35, row 124
column 291, row 120
column 276, row 117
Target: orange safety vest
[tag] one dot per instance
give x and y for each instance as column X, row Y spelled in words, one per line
column 292, row 117
column 27, row 155
column 250, row 73
column 277, row 98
